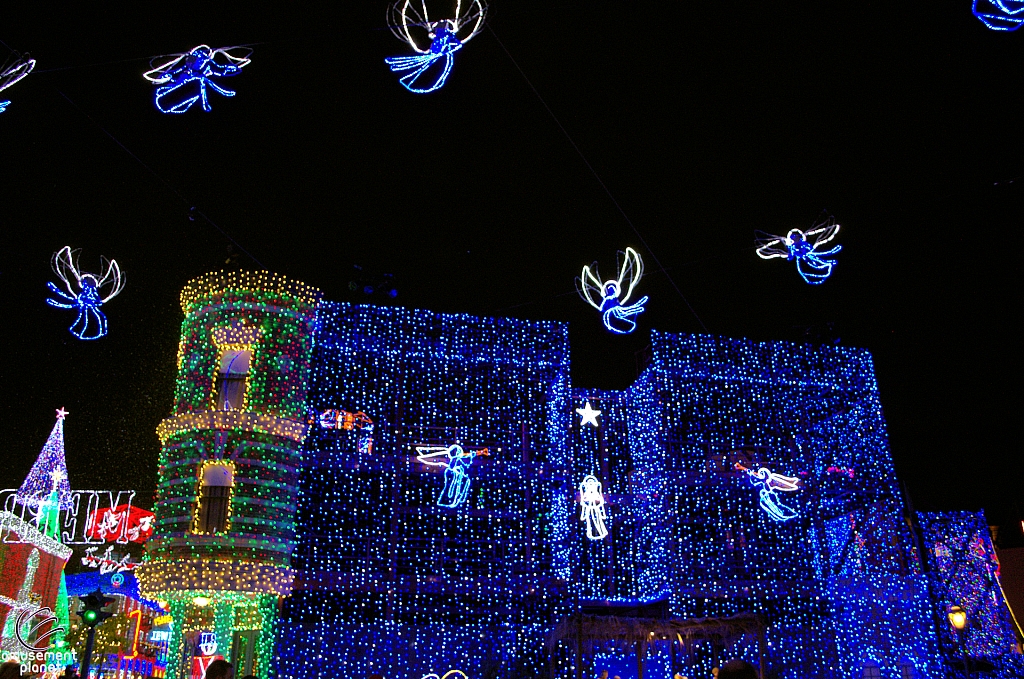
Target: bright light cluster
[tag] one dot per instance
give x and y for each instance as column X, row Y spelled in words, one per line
column 230, row 580
column 964, row 571
column 434, row 41
column 184, row 78
column 686, row 530
column 392, row 582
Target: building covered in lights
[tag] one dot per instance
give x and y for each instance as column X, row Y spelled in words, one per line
column 374, row 490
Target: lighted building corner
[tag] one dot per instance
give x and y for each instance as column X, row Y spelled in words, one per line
column 229, row 462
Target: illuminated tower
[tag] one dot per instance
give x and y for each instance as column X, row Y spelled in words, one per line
column 230, row 456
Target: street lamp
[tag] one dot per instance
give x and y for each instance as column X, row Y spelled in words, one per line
column 958, row 620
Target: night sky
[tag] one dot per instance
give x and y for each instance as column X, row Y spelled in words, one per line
column 705, row 121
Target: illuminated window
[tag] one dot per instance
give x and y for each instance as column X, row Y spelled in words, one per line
column 214, row 498
column 907, row 670
column 231, row 380
column 869, row 669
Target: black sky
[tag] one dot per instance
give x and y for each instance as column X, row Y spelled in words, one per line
column 705, row 120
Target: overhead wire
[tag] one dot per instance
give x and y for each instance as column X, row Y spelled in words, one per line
column 597, row 177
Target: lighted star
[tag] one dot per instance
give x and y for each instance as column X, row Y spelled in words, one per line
column 61, row 413
column 588, row 414
column 57, row 475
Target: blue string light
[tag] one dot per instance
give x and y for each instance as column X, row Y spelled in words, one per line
column 85, row 292
column 443, row 47
column 185, row 78
column 999, row 15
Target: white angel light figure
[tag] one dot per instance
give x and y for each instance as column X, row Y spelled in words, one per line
column 614, row 294
column 592, row 504
column 456, row 462
column 770, row 484
column 813, row 265
column 85, row 292
column 435, row 42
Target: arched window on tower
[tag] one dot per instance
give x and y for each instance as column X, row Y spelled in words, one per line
column 231, row 378
column 213, row 501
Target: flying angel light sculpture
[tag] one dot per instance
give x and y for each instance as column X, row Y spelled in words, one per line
column 456, row 462
column 184, row 78
column 770, row 485
column 435, row 42
column 999, row 15
column 812, row 263
column 21, row 67
column 613, row 294
column 592, row 507
column 85, row 291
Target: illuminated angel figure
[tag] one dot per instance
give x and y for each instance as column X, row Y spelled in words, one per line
column 999, row 15
column 21, row 67
column 456, row 462
column 592, row 502
column 813, row 265
column 435, row 42
column 614, row 293
column 185, row 77
column 85, row 292
column 770, row 484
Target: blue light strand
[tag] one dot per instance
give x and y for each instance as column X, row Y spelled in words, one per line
column 443, row 47
column 999, row 15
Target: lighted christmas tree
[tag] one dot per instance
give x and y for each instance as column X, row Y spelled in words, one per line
column 49, row 473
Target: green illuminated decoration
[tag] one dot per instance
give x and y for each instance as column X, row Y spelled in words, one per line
column 221, row 551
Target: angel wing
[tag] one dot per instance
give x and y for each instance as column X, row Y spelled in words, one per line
column 770, row 245
column 161, row 74
column 429, row 454
column 65, row 265
column 590, row 286
column 18, row 70
column 823, row 232
column 473, row 19
column 111, row 276
column 631, row 268
column 782, row 483
column 405, row 15
column 239, row 61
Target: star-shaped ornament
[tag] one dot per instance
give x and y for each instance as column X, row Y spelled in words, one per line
column 61, row 413
column 588, row 415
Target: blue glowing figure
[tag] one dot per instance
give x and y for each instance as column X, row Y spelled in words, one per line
column 434, row 41
column 770, row 484
column 185, row 78
column 812, row 263
column 999, row 15
column 85, row 292
column 20, row 68
column 456, row 462
column 613, row 294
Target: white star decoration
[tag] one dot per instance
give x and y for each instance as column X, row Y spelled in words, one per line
column 588, row 414
column 61, row 413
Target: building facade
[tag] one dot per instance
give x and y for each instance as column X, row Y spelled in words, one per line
column 377, row 490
